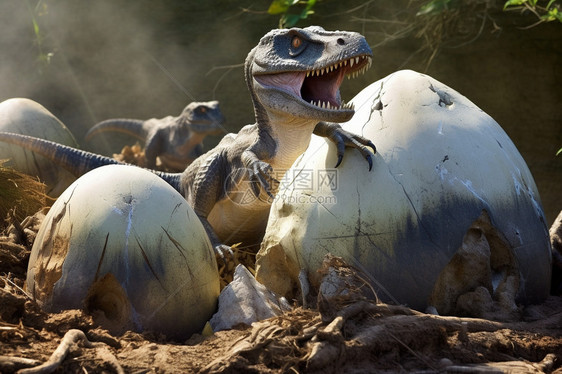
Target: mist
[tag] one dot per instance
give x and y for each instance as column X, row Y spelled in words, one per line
column 94, row 60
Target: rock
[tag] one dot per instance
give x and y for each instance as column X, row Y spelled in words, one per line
column 442, row 164
column 24, row 116
column 124, row 245
column 244, row 301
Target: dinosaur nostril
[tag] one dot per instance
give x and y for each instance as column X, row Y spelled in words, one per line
column 341, row 41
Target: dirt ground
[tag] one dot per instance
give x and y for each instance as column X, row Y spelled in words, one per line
column 342, row 335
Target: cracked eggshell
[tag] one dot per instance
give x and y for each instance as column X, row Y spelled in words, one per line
column 441, row 161
column 24, row 116
column 123, row 241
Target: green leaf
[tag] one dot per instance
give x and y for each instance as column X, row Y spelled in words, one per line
column 559, row 152
column 308, row 10
column 552, row 15
column 305, row 13
column 310, row 4
column 290, row 20
column 513, row 3
column 433, row 7
column 280, row 6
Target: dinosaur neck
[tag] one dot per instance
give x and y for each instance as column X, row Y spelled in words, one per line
column 259, row 110
column 292, row 136
column 193, row 139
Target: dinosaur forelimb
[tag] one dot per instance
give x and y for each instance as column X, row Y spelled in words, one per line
column 343, row 138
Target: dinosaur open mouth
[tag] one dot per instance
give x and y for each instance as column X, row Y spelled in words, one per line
column 318, row 87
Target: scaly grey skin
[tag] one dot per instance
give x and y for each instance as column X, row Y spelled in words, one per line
column 294, row 77
column 175, row 140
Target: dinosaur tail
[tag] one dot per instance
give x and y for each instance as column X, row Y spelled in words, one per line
column 131, row 127
column 76, row 161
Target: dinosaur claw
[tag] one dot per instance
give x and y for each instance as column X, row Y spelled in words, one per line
column 370, row 161
column 370, row 144
column 340, row 158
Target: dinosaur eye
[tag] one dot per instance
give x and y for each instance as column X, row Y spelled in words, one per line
column 201, row 110
column 296, row 42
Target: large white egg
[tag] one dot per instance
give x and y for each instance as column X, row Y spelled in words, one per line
column 123, row 241
column 24, row 116
column 441, row 164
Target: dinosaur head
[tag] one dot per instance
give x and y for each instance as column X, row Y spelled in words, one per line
column 203, row 117
column 299, row 71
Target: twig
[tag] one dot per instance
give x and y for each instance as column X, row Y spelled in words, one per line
column 9, row 364
column 71, row 337
column 223, row 67
column 171, row 77
column 13, row 284
column 58, row 356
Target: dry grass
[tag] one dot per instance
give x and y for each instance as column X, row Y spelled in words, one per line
column 20, row 195
column 457, row 24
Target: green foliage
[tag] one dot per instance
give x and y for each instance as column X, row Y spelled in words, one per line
column 291, row 11
column 435, row 7
column 44, row 57
column 545, row 13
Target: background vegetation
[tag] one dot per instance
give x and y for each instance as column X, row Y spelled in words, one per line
column 88, row 61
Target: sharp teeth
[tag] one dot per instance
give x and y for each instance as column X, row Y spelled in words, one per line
column 356, row 60
column 351, row 62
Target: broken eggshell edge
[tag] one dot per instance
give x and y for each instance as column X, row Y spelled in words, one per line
column 122, row 240
column 441, row 162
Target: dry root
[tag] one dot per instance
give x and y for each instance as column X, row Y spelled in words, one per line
column 70, row 338
column 352, row 332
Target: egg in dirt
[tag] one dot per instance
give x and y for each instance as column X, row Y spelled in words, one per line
column 122, row 241
column 449, row 208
